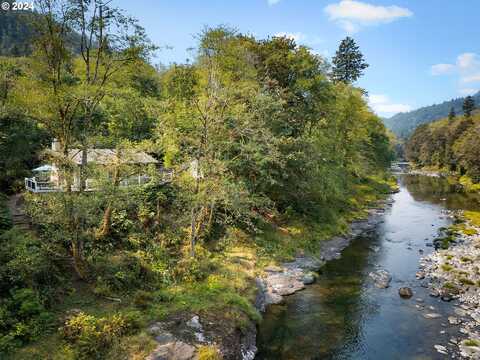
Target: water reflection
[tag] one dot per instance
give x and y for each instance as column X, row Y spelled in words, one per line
column 343, row 316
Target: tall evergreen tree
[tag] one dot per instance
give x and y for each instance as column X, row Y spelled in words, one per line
column 468, row 106
column 348, row 62
column 451, row 114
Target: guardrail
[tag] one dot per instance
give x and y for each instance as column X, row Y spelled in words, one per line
column 33, row 185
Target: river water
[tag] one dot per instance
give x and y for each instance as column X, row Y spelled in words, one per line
column 343, row 316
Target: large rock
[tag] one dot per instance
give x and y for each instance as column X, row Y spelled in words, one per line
column 381, row 278
column 405, row 292
column 194, row 323
column 272, row 298
column 284, row 284
column 175, row 350
column 308, row 278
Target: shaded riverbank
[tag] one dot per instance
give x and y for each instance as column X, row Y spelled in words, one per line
column 344, row 316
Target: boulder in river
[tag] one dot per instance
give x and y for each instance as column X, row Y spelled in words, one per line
column 432, row 316
column 405, row 292
column 381, row 278
column 308, row 278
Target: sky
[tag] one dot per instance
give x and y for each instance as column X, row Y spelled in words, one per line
column 420, row 52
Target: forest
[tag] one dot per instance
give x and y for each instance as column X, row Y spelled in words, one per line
column 450, row 144
column 270, row 149
column 404, row 124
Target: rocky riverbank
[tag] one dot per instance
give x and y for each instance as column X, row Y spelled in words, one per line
column 186, row 337
column 452, row 273
column 284, row 280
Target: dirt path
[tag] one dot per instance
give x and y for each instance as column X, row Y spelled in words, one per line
column 19, row 218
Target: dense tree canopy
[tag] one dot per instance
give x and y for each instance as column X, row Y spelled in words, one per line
column 254, row 133
column 451, row 144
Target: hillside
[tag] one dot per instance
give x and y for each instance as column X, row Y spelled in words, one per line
column 15, row 33
column 451, row 145
column 404, row 124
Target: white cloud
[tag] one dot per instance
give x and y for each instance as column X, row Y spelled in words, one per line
column 440, row 69
column 272, row 2
column 297, row 36
column 382, row 105
column 301, row 38
column 467, row 60
column 466, row 68
column 468, row 91
column 352, row 15
column 322, row 53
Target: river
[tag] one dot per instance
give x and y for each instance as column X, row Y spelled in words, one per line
column 343, row 316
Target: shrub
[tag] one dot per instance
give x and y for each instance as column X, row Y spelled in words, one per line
column 121, row 272
column 208, row 353
column 5, row 220
column 446, row 267
column 22, row 319
column 142, row 299
column 92, row 337
column 471, row 342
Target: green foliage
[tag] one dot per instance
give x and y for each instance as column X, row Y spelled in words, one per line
column 208, row 352
column 450, row 145
column 23, row 318
column 268, row 154
column 91, row 337
column 404, row 124
column 5, row 216
column 28, row 282
column 348, row 62
column 468, row 106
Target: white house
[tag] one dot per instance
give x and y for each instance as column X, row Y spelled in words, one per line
column 46, row 177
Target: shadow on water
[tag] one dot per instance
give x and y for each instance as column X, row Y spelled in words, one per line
column 343, row 316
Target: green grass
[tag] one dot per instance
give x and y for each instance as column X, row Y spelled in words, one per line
column 469, row 185
column 466, row 281
column 446, row 267
column 473, row 217
column 471, row 342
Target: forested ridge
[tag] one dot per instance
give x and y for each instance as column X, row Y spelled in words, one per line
column 404, row 124
column 270, row 154
column 451, row 144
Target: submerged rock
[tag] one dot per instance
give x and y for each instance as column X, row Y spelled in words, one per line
column 441, row 349
column 432, row 316
column 405, row 292
column 420, row 275
column 453, row 320
column 308, row 278
column 381, row 278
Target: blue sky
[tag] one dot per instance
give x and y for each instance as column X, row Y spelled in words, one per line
column 420, row 51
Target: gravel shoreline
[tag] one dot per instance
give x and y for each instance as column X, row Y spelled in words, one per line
column 453, row 274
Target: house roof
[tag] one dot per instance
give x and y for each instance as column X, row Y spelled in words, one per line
column 45, row 168
column 109, row 156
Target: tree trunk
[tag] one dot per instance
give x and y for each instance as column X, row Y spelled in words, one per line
column 193, row 234
column 78, row 260
column 107, row 215
column 210, row 218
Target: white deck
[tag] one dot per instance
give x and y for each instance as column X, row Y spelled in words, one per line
column 36, row 186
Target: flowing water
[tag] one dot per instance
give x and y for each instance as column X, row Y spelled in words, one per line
column 343, row 316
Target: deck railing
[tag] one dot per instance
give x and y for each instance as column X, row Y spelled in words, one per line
column 36, row 186
column 33, row 185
